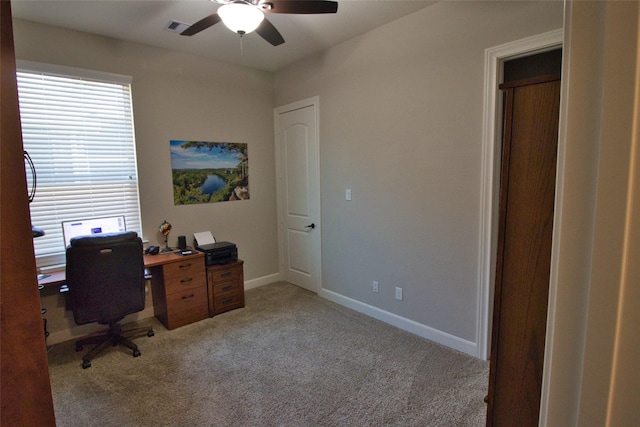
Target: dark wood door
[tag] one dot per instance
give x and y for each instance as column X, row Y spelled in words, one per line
column 25, row 390
column 524, row 251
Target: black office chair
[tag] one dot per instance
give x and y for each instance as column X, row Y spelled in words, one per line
column 105, row 276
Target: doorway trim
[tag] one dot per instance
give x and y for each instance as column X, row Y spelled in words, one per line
column 308, row 102
column 490, row 173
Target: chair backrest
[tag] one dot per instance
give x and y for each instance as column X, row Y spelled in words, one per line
column 105, row 276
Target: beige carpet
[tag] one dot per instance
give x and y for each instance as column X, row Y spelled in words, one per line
column 289, row 358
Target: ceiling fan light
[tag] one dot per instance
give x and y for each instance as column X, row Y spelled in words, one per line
column 240, row 18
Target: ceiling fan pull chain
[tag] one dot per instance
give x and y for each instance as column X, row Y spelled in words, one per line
column 241, row 45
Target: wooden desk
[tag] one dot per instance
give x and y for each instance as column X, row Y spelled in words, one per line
column 178, row 283
column 183, row 289
column 58, row 278
column 161, row 259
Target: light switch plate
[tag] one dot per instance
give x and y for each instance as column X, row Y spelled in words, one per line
column 347, row 194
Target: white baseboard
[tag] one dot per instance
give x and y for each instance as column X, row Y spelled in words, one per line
column 408, row 325
column 261, row 281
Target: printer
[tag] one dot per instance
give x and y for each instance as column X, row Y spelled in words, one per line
column 218, row 253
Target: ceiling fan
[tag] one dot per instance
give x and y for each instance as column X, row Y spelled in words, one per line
column 245, row 16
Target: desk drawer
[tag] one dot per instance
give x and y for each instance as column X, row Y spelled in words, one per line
column 225, row 296
column 224, row 273
column 186, row 307
column 184, row 275
column 225, row 288
column 188, row 267
column 227, row 301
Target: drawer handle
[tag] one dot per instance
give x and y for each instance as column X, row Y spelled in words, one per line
column 188, row 296
column 186, row 280
column 225, row 274
column 227, row 288
column 183, row 266
column 227, row 301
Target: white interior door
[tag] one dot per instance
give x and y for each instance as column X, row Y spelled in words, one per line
column 297, row 164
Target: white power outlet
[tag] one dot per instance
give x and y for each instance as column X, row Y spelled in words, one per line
column 374, row 286
column 398, row 293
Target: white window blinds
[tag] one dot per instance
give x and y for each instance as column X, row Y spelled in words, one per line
column 77, row 127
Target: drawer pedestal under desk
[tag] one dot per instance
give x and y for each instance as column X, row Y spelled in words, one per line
column 179, row 289
column 225, row 287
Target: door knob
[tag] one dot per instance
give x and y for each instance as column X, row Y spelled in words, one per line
column 312, row 226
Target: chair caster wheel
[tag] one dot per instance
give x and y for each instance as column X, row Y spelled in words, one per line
column 136, row 353
column 86, row 364
column 150, row 333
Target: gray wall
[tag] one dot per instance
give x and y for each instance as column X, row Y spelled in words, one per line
column 401, row 125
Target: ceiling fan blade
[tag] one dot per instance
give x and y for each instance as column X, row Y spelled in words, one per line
column 298, row 6
column 202, row 24
column 267, row 31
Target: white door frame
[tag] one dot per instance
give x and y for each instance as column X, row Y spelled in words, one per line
column 491, row 162
column 317, row 262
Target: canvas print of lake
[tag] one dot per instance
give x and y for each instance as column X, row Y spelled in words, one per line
column 209, row 172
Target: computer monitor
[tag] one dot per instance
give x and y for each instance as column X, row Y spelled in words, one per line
column 86, row 227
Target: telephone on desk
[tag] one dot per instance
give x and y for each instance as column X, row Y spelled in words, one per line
column 152, row 250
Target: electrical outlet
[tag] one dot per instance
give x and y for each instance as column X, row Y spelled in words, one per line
column 374, row 286
column 398, row 293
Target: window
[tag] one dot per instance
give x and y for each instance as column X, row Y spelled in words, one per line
column 77, row 126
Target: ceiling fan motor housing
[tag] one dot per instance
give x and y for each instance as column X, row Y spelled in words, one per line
column 263, row 27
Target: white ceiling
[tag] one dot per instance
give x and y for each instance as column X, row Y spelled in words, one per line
column 143, row 21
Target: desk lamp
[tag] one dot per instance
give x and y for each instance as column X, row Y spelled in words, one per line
column 165, row 229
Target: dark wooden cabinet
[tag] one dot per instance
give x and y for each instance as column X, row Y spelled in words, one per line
column 225, row 287
column 523, row 260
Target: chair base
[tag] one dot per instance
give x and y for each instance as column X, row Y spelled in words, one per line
column 113, row 337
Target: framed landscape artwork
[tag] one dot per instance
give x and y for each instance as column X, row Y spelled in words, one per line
column 209, row 172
